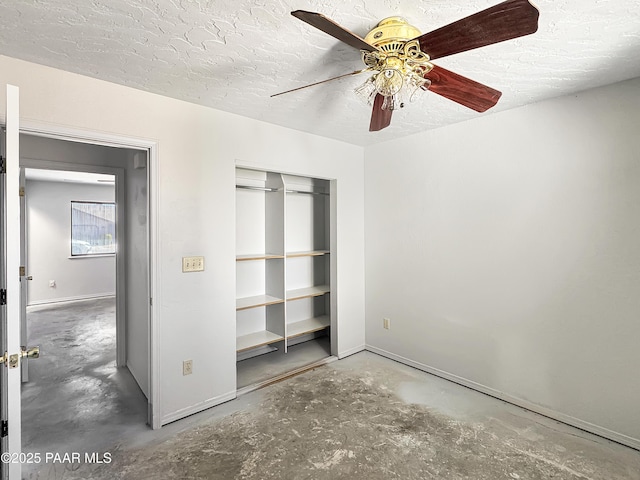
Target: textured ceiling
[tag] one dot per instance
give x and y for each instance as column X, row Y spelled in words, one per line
column 233, row 54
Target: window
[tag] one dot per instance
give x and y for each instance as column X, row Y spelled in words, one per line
column 93, row 228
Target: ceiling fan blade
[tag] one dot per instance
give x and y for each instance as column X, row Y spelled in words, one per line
column 321, row 82
column 379, row 118
column 332, row 28
column 462, row 90
column 507, row 20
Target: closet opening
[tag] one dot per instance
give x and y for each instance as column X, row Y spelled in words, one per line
column 284, row 305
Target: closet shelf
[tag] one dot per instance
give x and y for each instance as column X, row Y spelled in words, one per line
column 256, row 339
column 311, row 253
column 257, row 301
column 308, row 326
column 307, row 292
column 284, row 233
column 257, row 256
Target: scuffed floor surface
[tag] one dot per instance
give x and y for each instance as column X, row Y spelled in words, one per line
column 367, row 417
column 76, row 399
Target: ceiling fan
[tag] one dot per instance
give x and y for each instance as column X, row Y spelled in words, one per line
column 400, row 56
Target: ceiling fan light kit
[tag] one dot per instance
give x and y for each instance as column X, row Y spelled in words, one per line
column 400, row 56
column 399, row 65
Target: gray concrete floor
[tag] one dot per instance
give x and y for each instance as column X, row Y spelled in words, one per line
column 76, row 399
column 270, row 365
column 363, row 417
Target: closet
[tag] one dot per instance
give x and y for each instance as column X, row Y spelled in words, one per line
column 283, row 273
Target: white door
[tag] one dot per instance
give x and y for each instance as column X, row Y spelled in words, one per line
column 10, row 341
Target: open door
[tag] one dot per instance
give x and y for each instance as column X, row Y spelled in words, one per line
column 11, row 295
column 11, row 426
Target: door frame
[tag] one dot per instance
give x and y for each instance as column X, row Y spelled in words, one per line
column 24, row 280
column 151, row 147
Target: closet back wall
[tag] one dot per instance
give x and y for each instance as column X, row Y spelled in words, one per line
column 49, row 246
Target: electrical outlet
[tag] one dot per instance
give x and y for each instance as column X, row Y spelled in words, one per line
column 187, row 367
column 192, row 264
column 386, row 323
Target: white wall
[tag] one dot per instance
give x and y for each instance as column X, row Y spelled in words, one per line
column 49, row 244
column 506, row 251
column 198, row 150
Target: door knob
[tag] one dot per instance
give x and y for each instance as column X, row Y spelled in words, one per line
column 12, row 361
column 32, row 352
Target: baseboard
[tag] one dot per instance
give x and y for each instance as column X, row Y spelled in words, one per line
column 70, row 299
column 351, row 351
column 547, row 412
column 198, row 407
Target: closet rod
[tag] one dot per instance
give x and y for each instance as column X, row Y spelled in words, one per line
column 266, row 189
column 307, row 193
column 262, row 189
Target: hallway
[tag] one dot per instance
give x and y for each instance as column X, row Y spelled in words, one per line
column 76, row 399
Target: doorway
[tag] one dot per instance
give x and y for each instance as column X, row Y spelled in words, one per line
column 94, row 380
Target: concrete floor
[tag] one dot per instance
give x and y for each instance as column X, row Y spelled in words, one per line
column 76, row 399
column 363, row 417
column 264, row 367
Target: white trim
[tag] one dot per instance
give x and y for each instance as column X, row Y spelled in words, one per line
column 13, row 442
column 77, row 298
column 261, row 167
column 351, row 351
column 198, row 407
column 84, row 136
column 151, row 146
column 91, row 255
column 333, row 269
column 547, row 412
column 155, row 283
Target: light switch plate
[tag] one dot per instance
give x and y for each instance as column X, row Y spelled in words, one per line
column 187, row 367
column 192, row 264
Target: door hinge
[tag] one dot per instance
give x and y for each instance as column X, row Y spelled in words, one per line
column 21, row 191
column 3, row 297
column 4, row 428
column 3, row 165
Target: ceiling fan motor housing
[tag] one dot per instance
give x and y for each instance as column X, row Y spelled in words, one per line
column 391, row 34
column 398, row 61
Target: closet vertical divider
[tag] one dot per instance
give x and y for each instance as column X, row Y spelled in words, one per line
column 275, row 271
